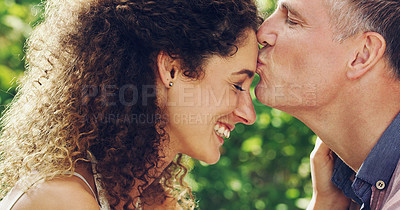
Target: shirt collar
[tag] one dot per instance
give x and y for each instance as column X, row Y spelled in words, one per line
column 382, row 160
column 378, row 166
column 341, row 177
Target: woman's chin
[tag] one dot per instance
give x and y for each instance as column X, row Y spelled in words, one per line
column 208, row 157
column 212, row 159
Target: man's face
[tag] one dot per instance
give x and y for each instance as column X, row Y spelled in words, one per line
column 301, row 66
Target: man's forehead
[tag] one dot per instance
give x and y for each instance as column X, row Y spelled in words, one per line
column 301, row 4
column 307, row 9
column 293, row 6
column 280, row 2
column 290, row 4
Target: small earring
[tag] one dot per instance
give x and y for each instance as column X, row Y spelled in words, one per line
column 171, row 84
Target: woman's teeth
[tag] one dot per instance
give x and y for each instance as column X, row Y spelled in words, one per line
column 222, row 131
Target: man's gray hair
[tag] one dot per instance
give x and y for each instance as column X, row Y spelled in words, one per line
column 346, row 19
column 349, row 17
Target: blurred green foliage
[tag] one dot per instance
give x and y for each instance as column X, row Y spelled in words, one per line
column 263, row 166
column 16, row 21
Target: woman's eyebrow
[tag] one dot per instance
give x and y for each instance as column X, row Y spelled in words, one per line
column 249, row 73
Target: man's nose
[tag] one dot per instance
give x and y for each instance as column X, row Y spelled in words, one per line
column 266, row 35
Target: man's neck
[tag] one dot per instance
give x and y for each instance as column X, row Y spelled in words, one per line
column 353, row 135
column 353, row 125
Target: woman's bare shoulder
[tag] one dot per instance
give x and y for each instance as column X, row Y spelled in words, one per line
column 59, row 193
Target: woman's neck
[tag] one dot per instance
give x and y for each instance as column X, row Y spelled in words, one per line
column 166, row 157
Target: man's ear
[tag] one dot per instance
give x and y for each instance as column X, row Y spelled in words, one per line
column 371, row 49
column 167, row 68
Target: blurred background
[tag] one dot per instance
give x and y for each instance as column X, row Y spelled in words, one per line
column 263, row 166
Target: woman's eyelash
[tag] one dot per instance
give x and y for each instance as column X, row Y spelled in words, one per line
column 238, row 87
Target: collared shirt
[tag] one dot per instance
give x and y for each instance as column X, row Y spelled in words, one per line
column 375, row 173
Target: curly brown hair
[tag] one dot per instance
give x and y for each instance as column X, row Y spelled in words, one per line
column 89, row 68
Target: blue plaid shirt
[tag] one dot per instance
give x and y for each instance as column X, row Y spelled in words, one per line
column 375, row 172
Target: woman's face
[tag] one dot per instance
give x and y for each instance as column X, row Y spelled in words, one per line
column 203, row 112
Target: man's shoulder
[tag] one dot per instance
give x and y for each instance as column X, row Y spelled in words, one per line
column 392, row 196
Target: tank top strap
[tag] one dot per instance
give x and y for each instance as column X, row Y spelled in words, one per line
column 104, row 205
column 11, row 198
column 86, row 182
column 17, row 192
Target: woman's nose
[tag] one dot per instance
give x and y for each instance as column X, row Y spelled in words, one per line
column 245, row 110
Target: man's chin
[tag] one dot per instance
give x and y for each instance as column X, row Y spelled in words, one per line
column 262, row 94
column 266, row 97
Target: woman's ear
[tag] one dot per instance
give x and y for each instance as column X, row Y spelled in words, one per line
column 371, row 50
column 167, row 68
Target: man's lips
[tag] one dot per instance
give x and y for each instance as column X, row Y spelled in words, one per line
column 264, row 55
column 261, row 57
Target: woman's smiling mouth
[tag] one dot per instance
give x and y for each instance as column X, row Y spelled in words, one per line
column 222, row 130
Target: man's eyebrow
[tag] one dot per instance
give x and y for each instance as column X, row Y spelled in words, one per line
column 249, row 73
column 291, row 10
